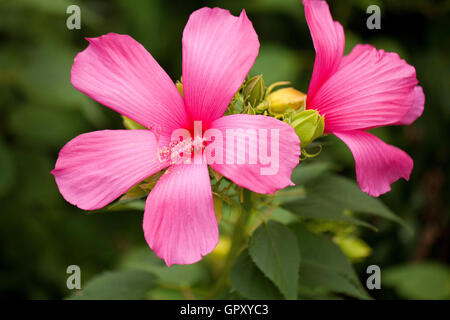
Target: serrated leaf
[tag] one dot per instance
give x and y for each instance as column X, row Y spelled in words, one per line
column 424, row 280
column 144, row 259
column 283, row 216
column 274, row 250
column 248, row 280
column 117, row 285
column 330, row 197
column 306, row 172
column 323, row 266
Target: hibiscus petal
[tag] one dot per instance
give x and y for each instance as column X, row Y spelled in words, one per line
column 417, row 109
column 371, row 88
column 95, row 168
column 118, row 72
column 256, row 175
column 179, row 220
column 329, row 41
column 218, row 51
column 377, row 164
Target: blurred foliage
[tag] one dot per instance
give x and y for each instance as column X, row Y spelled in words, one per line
column 41, row 234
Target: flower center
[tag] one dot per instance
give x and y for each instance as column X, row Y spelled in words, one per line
column 181, row 149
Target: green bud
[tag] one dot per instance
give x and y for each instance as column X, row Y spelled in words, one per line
column 286, row 99
column 254, row 91
column 250, row 110
column 179, row 87
column 308, row 125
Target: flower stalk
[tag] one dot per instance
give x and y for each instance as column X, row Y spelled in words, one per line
column 238, row 240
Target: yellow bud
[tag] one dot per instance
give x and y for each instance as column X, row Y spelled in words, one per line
column 286, row 99
column 222, row 248
column 353, row 247
column 309, row 125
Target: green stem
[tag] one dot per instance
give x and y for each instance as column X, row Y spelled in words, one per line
column 238, row 239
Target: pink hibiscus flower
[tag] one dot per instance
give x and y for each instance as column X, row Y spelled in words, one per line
column 366, row 89
column 95, row 168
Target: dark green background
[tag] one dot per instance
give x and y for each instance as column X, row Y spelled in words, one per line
column 41, row 234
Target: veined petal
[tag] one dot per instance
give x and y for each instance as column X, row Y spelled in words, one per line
column 218, row 51
column 118, row 72
column 371, row 88
column 95, row 168
column 264, row 162
column 377, row 164
column 329, row 41
column 417, row 108
column 179, row 220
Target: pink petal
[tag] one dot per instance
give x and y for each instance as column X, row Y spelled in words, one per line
column 250, row 175
column 377, row 164
column 119, row 73
column 417, row 108
column 218, row 51
column 329, row 41
column 179, row 221
column 371, row 88
column 95, row 168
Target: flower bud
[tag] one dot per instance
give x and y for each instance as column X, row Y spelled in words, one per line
column 254, row 91
column 250, row 110
column 286, row 99
column 308, row 125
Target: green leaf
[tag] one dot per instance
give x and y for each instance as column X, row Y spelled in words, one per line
column 424, row 280
column 117, row 285
column 331, row 197
column 248, row 280
column 306, row 172
column 274, row 250
column 323, row 265
column 181, row 275
column 166, row 294
column 125, row 205
column 283, row 216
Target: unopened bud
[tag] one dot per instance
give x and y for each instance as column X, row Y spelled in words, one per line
column 286, row 99
column 254, row 91
column 250, row 110
column 308, row 125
